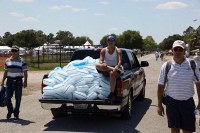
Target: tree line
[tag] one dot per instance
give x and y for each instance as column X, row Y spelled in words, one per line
column 130, row 39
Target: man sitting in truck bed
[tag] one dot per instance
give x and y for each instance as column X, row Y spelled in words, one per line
column 110, row 63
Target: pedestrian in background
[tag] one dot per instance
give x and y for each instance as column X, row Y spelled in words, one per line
column 157, row 55
column 15, row 70
column 179, row 91
column 197, row 59
column 161, row 55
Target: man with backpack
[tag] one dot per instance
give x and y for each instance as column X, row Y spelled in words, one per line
column 176, row 90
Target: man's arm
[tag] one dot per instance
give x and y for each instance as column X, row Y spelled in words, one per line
column 102, row 56
column 119, row 55
column 198, row 94
column 4, row 77
column 160, row 92
column 25, row 78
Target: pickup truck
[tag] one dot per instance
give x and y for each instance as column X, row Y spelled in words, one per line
column 130, row 86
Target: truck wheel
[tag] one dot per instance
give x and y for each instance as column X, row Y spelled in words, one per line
column 141, row 96
column 127, row 112
column 56, row 113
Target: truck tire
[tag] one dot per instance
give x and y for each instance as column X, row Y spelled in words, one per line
column 141, row 96
column 127, row 112
column 56, row 113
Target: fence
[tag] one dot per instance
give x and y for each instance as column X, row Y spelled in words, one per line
column 43, row 58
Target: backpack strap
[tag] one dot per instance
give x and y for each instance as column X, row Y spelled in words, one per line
column 193, row 66
column 167, row 68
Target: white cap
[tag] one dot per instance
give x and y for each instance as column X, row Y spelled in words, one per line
column 179, row 43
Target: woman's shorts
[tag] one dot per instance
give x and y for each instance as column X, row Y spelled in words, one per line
column 120, row 70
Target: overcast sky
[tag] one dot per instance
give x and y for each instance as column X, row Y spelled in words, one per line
column 96, row 18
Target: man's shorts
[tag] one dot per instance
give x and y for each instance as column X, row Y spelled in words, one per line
column 180, row 114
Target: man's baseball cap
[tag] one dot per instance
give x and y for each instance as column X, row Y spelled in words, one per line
column 110, row 38
column 15, row 47
column 179, row 43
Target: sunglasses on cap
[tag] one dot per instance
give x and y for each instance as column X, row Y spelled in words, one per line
column 110, row 40
column 14, row 50
column 178, row 49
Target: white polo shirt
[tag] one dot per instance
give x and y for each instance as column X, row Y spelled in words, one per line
column 180, row 80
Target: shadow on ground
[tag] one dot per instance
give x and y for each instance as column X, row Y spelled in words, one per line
column 101, row 123
column 19, row 121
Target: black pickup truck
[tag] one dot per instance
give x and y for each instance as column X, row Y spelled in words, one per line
column 130, row 86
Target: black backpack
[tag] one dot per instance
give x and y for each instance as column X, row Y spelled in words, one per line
column 168, row 66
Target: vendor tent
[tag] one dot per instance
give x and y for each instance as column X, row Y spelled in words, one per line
column 87, row 45
column 4, row 49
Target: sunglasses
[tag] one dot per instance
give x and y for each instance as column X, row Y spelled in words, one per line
column 178, row 49
column 14, row 50
column 110, row 40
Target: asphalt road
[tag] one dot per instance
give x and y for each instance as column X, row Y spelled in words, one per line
column 34, row 119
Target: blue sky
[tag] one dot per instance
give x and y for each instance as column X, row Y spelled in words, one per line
column 97, row 18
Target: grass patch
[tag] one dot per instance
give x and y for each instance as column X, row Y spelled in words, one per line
column 167, row 57
column 41, row 66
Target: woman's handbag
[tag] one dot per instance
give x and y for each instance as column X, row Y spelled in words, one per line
column 2, row 96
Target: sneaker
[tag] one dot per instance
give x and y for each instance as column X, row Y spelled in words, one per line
column 16, row 117
column 8, row 115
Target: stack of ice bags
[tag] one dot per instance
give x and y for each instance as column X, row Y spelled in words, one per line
column 78, row 80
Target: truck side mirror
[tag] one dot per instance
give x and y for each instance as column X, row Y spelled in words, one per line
column 144, row 63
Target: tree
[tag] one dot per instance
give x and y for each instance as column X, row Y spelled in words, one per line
column 131, row 40
column 50, row 38
column 65, row 37
column 149, row 43
column 166, row 44
column 192, row 36
column 79, row 41
column 8, row 39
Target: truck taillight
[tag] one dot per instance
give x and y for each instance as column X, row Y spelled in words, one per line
column 42, row 86
column 121, row 85
column 119, row 89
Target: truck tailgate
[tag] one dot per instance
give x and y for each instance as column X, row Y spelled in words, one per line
column 65, row 101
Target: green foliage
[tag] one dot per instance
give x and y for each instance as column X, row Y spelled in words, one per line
column 131, row 39
column 128, row 39
column 150, row 44
column 190, row 36
column 32, row 39
column 166, row 44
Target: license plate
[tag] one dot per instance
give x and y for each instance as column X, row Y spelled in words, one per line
column 80, row 106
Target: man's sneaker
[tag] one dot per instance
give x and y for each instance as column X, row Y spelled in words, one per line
column 111, row 97
column 8, row 115
column 16, row 117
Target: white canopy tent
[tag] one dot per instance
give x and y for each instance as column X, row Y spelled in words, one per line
column 87, row 45
column 5, row 49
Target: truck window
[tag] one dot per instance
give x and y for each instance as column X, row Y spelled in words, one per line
column 132, row 59
column 125, row 61
column 81, row 54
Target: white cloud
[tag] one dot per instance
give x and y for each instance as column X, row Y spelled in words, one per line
column 104, row 2
column 15, row 14
column 29, row 19
column 74, row 9
column 59, row 7
column 113, row 29
column 99, row 14
column 172, row 5
column 24, row 1
column 78, row 9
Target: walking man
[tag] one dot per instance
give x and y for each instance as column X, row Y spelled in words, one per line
column 178, row 92
column 15, row 70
